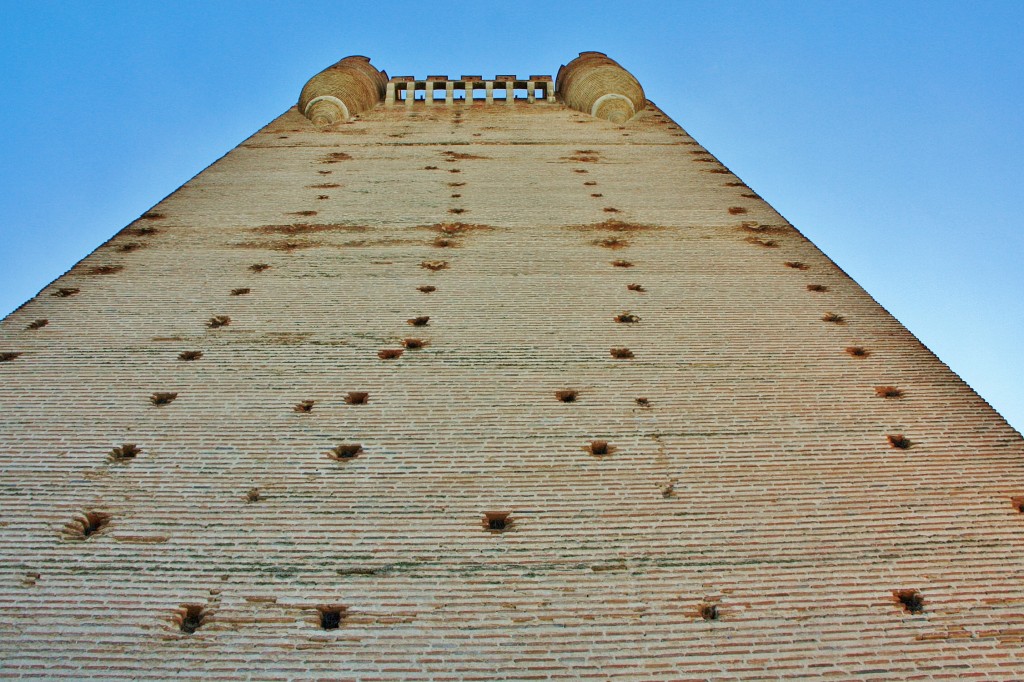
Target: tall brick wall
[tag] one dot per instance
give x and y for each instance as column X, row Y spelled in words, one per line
column 751, row 519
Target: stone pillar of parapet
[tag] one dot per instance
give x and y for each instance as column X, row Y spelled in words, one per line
column 342, row 90
column 507, row 83
column 449, row 92
column 389, row 96
column 434, row 83
column 596, row 85
column 470, row 82
column 489, row 92
column 545, row 84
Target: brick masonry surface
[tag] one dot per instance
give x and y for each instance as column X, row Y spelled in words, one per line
column 751, row 518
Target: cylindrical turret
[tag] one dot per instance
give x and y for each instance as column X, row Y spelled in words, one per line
column 596, row 85
column 342, row 90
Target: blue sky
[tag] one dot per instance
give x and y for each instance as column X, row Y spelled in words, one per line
column 890, row 133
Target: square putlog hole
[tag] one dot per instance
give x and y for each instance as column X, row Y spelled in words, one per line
column 497, row 521
column 357, row 398
column 888, row 392
column 346, row 451
column 191, row 617
column 612, row 243
column 708, row 611
column 85, row 525
column 912, row 601
column 330, row 617
column 899, row 441
column 124, row 453
column 105, row 270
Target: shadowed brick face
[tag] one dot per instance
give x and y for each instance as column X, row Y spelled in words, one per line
column 749, row 516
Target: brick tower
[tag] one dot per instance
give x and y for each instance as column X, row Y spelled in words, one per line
column 490, row 379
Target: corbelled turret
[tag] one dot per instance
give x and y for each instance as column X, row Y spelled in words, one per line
column 338, row 92
column 596, row 85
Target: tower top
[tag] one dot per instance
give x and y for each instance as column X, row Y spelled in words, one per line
column 596, row 85
column 592, row 83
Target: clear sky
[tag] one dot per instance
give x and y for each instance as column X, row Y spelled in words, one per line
column 890, row 133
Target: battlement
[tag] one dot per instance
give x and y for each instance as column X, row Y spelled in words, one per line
column 467, row 89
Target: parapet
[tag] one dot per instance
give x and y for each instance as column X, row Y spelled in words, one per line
column 340, row 91
column 469, row 89
column 596, row 85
